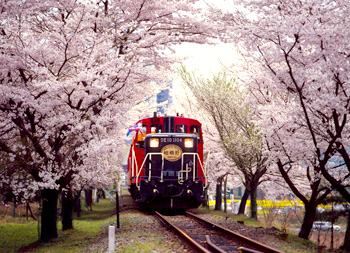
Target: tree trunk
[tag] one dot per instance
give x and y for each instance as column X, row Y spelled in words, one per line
column 225, row 194
column 346, row 244
column 49, row 215
column 77, row 203
column 14, row 209
column 218, row 198
column 243, row 201
column 309, row 217
column 253, row 204
column 205, row 203
column 88, row 198
column 103, row 195
column 67, row 210
column 30, row 210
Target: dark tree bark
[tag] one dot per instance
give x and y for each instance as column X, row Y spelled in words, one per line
column 225, row 194
column 243, row 201
column 252, row 179
column 102, row 194
column 218, row 198
column 253, row 203
column 30, row 210
column 14, row 209
column 340, row 187
column 205, row 203
column 77, row 203
column 49, row 215
column 309, row 217
column 252, row 182
column 318, row 194
column 88, row 199
column 67, row 210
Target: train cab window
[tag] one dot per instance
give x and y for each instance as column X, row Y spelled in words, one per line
column 156, row 128
column 140, row 137
column 181, row 128
column 144, row 129
column 194, row 129
column 140, row 144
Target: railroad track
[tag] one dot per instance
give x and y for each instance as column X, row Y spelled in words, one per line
column 204, row 236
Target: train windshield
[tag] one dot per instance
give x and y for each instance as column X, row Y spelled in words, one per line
column 144, row 129
column 195, row 129
column 156, row 128
column 181, row 128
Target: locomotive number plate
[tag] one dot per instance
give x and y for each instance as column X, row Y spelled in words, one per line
column 171, row 152
column 169, row 139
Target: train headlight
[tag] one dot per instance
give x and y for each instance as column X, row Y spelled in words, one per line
column 188, row 143
column 154, row 143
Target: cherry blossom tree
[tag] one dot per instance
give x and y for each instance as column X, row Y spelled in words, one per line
column 225, row 104
column 218, row 167
column 69, row 70
column 302, row 85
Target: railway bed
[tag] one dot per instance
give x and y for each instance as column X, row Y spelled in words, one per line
column 205, row 236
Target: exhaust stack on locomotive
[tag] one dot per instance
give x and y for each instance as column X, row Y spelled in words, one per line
column 165, row 163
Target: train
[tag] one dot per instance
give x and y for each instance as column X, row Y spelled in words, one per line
column 165, row 168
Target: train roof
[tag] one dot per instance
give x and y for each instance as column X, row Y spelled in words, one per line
column 178, row 117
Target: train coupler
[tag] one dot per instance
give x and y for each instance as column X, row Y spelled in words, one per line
column 142, row 199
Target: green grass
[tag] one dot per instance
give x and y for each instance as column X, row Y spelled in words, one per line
column 145, row 246
column 14, row 235
column 295, row 242
column 142, row 238
column 92, row 227
column 247, row 221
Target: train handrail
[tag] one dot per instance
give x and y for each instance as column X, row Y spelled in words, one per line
column 194, row 167
column 206, row 164
column 204, row 172
column 143, row 163
column 195, row 155
column 133, row 163
column 150, row 166
column 180, row 174
column 133, row 158
column 194, row 164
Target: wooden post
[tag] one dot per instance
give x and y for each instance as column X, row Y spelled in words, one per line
column 117, row 207
column 111, row 239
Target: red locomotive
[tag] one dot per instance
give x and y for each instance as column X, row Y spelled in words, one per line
column 165, row 163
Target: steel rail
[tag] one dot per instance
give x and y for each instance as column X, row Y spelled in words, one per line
column 196, row 246
column 246, row 250
column 257, row 245
column 212, row 246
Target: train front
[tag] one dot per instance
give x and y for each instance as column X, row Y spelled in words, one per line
column 171, row 175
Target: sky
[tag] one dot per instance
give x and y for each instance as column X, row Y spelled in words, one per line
column 209, row 59
column 205, row 60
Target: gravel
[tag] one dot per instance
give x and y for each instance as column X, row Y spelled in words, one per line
column 139, row 232
column 142, row 232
